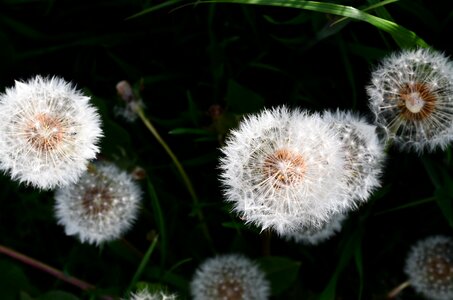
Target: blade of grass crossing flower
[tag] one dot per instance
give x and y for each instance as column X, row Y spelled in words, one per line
column 142, row 265
column 406, row 37
column 159, row 217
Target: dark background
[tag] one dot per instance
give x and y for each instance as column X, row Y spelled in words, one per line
column 189, row 62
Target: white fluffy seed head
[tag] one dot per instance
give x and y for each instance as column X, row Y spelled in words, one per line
column 48, row 132
column 429, row 266
column 363, row 151
column 316, row 235
column 411, row 95
column 145, row 295
column 229, row 277
column 100, row 207
column 284, row 170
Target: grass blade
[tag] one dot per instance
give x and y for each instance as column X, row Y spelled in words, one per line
column 405, row 37
column 159, row 218
column 142, row 265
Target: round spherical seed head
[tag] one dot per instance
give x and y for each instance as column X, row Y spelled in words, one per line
column 229, row 277
column 100, row 207
column 364, row 154
column 429, row 267
column 48, row 132
column 284, row 169
column 411, row 95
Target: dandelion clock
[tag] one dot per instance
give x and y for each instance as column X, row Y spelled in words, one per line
column 363, row 151
column 101, row 206
column 411, row 95
column 229, row 277
column 284, row 169
column 48, row 132
column 429, row 267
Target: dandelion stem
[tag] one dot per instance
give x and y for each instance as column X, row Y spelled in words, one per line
column 180, row 168
column 393, row 293
column 83, row 285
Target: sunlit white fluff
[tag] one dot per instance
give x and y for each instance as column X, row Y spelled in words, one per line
column 284, row 169
column 48, row 132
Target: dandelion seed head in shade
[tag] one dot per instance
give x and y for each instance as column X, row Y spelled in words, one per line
column 429, row 267
column 145, row 295
column 411, row 96
column 316, row 235
column 363, row 151
column 48, row 132
column 101, row 206
column 229, row 277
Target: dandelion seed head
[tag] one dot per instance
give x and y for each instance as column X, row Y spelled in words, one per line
column 364, row 154
column 48, row 132
column 229, row 277
column 283, row 170
column 310, row 235
column 100, row 207
column 429, row 266
column 411, row 95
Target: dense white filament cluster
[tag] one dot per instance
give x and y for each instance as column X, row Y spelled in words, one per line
column 411, row 96
column 48, row 132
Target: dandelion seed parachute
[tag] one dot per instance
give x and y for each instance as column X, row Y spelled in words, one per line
column 363, row 151
column 100, row 207
column 429, row 267
column 48, row 132
column 314, row 236
column 145, row 295
column 411, row 95
column 284, row 170
column 229, row 277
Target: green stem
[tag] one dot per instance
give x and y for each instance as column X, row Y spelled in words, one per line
column 142, row 265
column 180, row 168
column 83, row 285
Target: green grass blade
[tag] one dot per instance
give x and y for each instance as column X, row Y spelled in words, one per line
column 405, row 37
column 368, row 8
column 159, row 218
column 142, row 266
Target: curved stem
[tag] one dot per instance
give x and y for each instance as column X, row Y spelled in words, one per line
column 393, row 293
column 83, row 285
column 180, row 168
